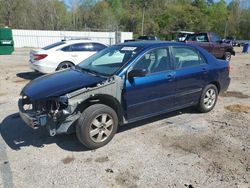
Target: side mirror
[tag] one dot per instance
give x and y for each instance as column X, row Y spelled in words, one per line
column 137, row 73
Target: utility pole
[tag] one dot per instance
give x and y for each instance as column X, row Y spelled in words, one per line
column 225, row 31
column 144, row 4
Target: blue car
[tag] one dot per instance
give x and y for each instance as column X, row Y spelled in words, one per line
column 121, row 84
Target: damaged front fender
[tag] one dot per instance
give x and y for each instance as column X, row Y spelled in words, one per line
column 62, row 112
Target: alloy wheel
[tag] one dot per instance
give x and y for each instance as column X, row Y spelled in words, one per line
column 210, row 98
column 101, row 128
column 65, row 66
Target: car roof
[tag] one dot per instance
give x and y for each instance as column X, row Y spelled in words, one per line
column 81, row 41
column 148, row 44
column 76, row 41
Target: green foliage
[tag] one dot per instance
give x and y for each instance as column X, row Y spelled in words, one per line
column 162, row 17
column 233, row 19
column 245, row 24
column 218, row 18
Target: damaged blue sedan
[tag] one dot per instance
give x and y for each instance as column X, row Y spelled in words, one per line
column 121, row 84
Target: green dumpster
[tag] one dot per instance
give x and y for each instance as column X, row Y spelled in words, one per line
column 6, row 41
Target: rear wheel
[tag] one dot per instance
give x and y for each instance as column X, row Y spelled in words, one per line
column 64, row 65
column 227, row 56
column 208, row 98
column 97, row 126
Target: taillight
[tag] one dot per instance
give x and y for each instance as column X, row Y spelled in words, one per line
column 39, row 56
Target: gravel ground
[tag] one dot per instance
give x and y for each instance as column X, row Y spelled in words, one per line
column 180, row 149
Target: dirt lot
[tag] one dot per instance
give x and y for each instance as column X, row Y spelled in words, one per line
column 181, row 149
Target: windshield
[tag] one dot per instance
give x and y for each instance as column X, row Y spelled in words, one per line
column 53, row 45
column 109, row 60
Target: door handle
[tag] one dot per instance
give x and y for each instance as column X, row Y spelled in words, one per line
column 74, row 55
column 204, row 70
column 170, row 76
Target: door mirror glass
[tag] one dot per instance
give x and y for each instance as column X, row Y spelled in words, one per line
column 137, row 73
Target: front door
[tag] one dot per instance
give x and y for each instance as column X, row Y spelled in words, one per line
column 153, row 93
column 218, row 46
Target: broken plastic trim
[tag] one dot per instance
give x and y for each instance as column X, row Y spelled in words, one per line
column 112, row 87
column 61, row 119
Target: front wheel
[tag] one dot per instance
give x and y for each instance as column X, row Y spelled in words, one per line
column 208, row 98
column 227, row 56
column 96, row 126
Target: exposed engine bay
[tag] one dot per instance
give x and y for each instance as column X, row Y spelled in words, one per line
column 58, row 114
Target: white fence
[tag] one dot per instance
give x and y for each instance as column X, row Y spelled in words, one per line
column 41, row 38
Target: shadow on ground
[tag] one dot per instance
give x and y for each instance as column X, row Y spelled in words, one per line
column 29, row 75
column 17, row 134
column 156, row 118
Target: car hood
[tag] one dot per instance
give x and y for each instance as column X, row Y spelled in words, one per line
column 59, row 83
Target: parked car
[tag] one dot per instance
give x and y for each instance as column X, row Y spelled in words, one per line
column 231, row 40
column 212, row 43
column 144, row 37
column 64, row 54
column 121, row 84
column 181, row 35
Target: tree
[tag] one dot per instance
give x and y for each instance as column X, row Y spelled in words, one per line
column 245, row 24
column 233, row 22
column 218, row 18
column 161, row 16
column 9, row 10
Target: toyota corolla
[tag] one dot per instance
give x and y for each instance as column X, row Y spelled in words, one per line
column 121, row 84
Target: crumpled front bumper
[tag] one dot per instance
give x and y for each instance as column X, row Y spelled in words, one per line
column 30, row 118
column 34, row 120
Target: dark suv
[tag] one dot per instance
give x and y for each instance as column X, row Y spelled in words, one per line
column 121, row 84
column 212, row 43
column 144, row 38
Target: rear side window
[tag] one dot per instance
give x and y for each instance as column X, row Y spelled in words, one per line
column 98, row 47
column 53, row 45
column 187, row 57
column 197, row 37
column 81, row 47
column 67, row 48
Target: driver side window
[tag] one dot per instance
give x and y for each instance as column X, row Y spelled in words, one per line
column 156, row 60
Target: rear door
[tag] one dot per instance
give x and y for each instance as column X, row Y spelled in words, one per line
column 191, row 75
column 154, row 93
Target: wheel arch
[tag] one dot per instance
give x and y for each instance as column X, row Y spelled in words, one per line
column 232, row 52
column 217, row 84
column 106, row 100
column 65, row 61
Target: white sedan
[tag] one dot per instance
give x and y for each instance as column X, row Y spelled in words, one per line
column 63, row 55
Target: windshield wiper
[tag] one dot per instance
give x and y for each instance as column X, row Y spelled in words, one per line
column 89, row 71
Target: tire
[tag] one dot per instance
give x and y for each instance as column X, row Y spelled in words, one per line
column 64, row 65
column 101, row 121
column 208, row 98
column 227, row 56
